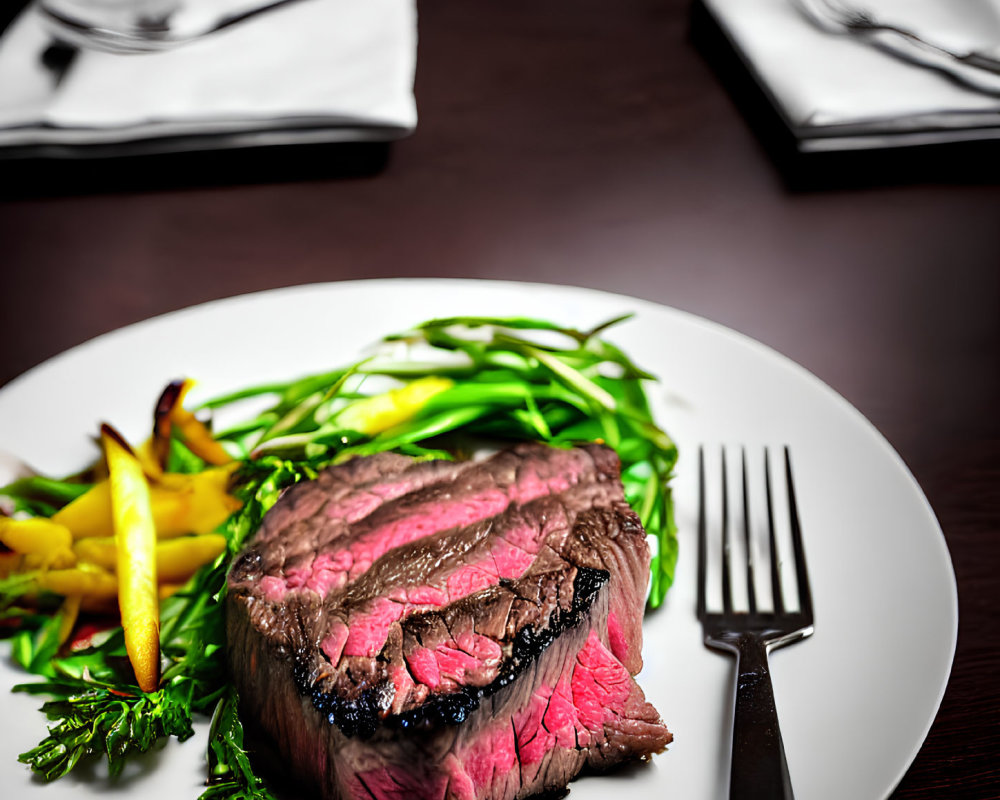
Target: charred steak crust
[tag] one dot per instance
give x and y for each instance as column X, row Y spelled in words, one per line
column 361, row 717
column 388, row 614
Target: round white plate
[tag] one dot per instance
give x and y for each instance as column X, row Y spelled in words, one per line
column 855, row 700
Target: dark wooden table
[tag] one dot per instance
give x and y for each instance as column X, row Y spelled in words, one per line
column 592, row 143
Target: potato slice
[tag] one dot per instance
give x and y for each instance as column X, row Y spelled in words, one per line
column 181, row 504
column 70, row 614
column 46, row 543
column 85, row 580
column 381, row 412
column 196, row 436
column 89, row 514
column 197, row 503
column 176, row 559
column 101, row 551
column 135, row 535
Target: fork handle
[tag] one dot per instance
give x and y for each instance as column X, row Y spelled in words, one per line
column 759, row 769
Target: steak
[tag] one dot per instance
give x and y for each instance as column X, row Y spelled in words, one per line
column 447, row 630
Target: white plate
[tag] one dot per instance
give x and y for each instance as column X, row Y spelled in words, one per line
column 855, row 700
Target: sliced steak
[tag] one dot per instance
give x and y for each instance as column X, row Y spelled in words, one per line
column 444, row 623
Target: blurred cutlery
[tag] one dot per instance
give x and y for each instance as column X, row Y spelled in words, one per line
column 134, row 29
column 970, row 67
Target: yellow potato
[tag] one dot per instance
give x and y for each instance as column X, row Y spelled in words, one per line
column 135, row 535
column 180, row 504
column 197, row 503
column 147, row 456
column 44, row 542
column 98, row 550
column 176, row 559
column 380, row 412
column 196, row 436
column 83, row 579
column 70, row 613
column 89, row 514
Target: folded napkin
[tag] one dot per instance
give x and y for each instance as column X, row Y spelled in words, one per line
column 838, row 92
column 311, row 71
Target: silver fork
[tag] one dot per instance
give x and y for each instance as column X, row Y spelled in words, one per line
column 759, row 768
column 141, row 33
column 970, row 67
column 860, row 20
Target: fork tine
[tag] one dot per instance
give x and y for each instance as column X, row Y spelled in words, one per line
column 702, row 554
column 801, row 573
column 751, row 583
column 759, row 767
column 777, row 598
column 727, row 589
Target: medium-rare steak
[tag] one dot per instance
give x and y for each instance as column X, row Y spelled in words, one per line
column 434, row 629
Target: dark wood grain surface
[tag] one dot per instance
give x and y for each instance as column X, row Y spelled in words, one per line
column 592, row 143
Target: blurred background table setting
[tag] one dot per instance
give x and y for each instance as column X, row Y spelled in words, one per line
column 854, row 74
column 215, row 75
column 830, row 192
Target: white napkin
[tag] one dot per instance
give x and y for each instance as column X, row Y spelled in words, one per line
column 316, row 70
column 838, row 92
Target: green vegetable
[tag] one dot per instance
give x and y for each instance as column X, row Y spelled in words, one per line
column 41, row 496
column 513, row 379
column 507, row 386
column 97, row 708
